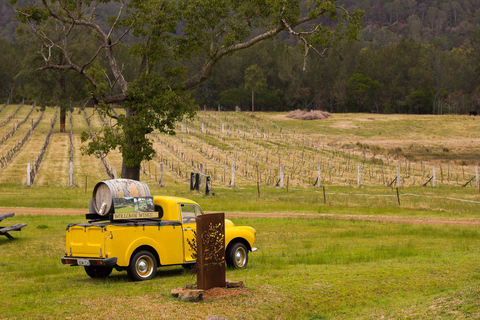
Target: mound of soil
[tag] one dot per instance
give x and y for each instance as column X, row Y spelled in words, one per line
column 218, row 293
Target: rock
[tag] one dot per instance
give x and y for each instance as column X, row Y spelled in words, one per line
column 191, row 286
column 234, row 284
column 176, row 291
column 191, row 295
column 215, row 318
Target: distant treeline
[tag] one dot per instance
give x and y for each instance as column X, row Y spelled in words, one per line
column 413, row 57
column 402, row 77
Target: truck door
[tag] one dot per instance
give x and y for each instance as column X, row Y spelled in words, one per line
column 189, row 217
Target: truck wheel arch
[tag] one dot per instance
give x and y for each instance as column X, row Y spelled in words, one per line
column 146, row 248
column 241, row 240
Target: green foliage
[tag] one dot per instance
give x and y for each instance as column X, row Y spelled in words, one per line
column 152, row 104
column 363, row 92
column 254, row 78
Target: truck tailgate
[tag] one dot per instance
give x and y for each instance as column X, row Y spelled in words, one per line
column 85, row 241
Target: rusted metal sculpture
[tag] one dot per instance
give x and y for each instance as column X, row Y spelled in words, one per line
column 211, row 251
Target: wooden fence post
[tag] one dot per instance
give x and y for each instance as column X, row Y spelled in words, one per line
column 232, row 182
column 434, row 178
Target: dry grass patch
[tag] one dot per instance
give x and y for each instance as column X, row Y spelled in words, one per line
column 305, row 115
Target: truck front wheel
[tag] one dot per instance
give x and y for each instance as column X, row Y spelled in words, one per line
column 143, row 266
column 98, row 271
column 237, row 256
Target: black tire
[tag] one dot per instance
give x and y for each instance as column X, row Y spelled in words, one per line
column 98, row 271
column 188, row 266
column 237, row 256
column 143, row 266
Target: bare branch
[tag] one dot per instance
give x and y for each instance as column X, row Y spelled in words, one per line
column 108, row 79
column 77, row 21
column 92, row 14
column 307, row 45
column 116, row 20
column 116, row 78
column 203, row 74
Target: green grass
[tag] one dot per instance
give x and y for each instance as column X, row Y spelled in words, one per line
column 305, row 269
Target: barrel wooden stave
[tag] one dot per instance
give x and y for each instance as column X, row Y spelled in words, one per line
column 105, row 191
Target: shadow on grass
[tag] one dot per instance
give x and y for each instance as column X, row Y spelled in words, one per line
column 122, row 276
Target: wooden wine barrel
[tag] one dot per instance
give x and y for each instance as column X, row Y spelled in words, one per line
column 105, row 191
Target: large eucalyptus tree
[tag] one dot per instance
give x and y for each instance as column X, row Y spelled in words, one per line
column 163, row 34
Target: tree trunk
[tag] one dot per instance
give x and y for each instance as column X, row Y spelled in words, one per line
column 134, row 171
column 63, row 116
column 253, row 104
column 130, row 172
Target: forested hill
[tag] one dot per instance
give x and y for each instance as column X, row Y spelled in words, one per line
column 384, row 21
column 450, row 22
column 413, row 57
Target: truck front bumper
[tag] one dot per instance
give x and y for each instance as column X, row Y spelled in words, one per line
column 110, row 262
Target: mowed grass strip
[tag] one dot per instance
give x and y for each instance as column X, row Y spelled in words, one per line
column 305, row 269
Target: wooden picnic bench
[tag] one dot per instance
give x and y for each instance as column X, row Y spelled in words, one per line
column 4, row 231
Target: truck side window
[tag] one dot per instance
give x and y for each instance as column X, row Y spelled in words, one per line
column 198, row 211
column 188, row 213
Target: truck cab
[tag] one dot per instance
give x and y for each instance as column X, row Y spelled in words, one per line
column 140, row 246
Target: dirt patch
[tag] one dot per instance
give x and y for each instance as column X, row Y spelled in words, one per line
column 218, row 293
column 428, row 221
column 250, row 215
column 44, row 211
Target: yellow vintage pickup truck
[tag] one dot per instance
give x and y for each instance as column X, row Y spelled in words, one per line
column 141, row 245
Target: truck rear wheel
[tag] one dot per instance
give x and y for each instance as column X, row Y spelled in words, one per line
column 237, row 256
column 98, row 271
column 143, row 266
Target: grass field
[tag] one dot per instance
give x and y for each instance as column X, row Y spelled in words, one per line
column 315, row 268
column 305, row 269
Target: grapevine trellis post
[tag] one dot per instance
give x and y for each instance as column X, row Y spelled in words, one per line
column 28, row 174
column 71, row 174
column 399, row 184
column 161, row 174
column 476, row 176
column 319, row 184
column 232, row 182
column 359, row 176
column 281, row 176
